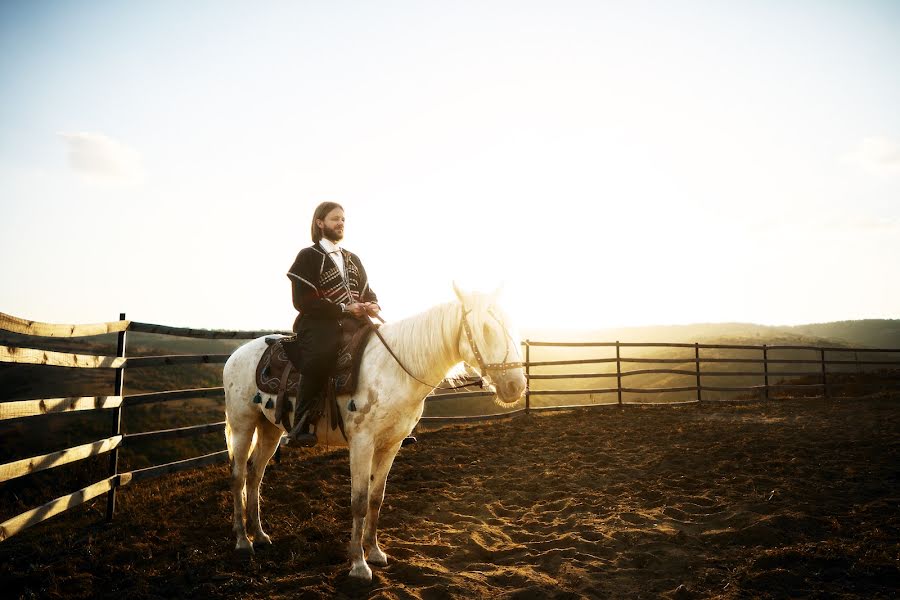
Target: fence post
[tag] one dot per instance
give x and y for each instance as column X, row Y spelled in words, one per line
column 697, row 363
column 527, row 378
column 766, row 368
column 619, row 372
column 116, row 425
column 824, row 373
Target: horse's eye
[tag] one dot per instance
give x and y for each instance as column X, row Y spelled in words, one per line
column 488, row 334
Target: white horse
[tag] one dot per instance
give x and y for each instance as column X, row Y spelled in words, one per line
column 388, row 403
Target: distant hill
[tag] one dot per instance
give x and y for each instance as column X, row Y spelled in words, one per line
column 874, row 333
column 871, row 333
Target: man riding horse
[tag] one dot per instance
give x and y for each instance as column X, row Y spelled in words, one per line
column 330, row 291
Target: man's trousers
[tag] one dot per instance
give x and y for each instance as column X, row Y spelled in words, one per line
column 319, row 341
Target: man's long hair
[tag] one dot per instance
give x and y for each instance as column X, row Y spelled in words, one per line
column 321, row 212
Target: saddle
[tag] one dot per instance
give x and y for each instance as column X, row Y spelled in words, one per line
column 277, row 374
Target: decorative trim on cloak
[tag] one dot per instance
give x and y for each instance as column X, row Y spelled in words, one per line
column 306, row 281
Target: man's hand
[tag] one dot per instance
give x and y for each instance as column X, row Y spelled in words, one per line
column 357, row 309
column 361, row 309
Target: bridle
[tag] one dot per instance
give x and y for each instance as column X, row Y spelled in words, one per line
column 503, row 367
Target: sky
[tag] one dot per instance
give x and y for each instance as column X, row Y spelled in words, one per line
column 607, row 164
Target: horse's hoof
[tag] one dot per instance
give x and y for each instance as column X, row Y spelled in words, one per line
column 244, row 553
column 362, row 572
column 377, row 557
column 261, row 540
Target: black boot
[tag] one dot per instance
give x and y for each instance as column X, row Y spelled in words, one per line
column 300, row 436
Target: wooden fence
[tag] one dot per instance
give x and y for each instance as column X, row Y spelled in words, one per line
column 816, row 368
column 120, row 363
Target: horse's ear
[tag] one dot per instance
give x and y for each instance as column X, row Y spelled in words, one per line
column 459, row 294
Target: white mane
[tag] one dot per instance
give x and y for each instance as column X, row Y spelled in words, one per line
column 436, row 329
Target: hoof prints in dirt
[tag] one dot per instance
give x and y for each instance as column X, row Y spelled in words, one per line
column 764, row 500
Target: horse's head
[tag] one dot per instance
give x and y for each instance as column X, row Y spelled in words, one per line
column 489, row 343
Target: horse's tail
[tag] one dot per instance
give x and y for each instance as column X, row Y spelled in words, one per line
column 228, row 437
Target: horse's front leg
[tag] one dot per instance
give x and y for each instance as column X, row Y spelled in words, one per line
column 381, row 465
column 361, row 451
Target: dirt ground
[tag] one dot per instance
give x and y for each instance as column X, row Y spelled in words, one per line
column 793, row 498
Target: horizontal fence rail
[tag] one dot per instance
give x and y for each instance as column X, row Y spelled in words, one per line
column 31, row 356
column 152, row 397
column 136, row 362
column 48, row 406
column 177, row 466
column 208, row 334
column 25, row 327
column 473, row 419
column 54, row 507
column 28, row 466
column 178, row 432
column 695, row 366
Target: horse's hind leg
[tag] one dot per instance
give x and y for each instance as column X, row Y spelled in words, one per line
column 241, row 440
column 267, row 437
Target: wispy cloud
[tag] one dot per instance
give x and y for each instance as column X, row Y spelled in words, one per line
column 875, row 224
column 877, row 155
column 99, row 159
column 827, row 224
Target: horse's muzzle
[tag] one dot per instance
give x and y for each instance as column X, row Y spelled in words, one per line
column 510, row 388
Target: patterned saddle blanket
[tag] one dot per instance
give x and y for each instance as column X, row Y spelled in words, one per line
column 277, row 374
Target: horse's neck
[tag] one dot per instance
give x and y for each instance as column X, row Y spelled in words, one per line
column 427, row 343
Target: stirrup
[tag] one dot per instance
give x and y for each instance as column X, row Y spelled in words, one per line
column 301, row 440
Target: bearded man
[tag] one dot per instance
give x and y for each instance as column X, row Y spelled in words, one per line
column 329, row 286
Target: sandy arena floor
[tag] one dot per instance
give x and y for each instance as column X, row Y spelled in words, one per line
column 796, row 498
